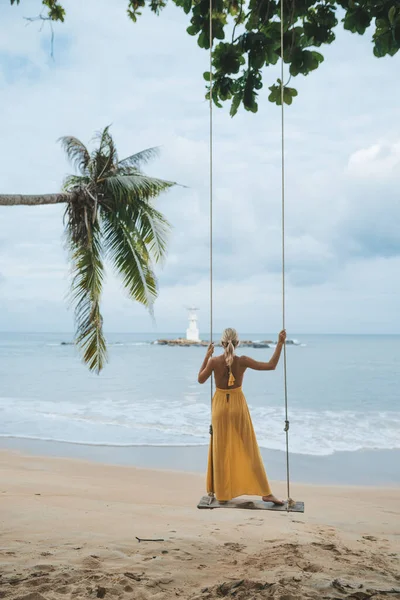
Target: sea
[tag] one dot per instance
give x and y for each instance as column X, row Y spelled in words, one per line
column 343, row 393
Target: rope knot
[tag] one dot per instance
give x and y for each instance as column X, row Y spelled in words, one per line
column 291, row 503
column 286, row 428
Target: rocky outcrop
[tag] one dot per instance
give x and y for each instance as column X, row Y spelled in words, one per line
column 184, row 343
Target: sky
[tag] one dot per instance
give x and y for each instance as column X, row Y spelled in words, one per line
column 145, row 79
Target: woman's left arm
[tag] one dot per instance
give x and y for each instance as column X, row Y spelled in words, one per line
column 207, row 367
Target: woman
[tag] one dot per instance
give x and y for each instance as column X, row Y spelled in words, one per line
column 235, row 465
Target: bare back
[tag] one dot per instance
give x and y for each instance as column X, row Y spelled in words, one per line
column 221, row 371
column 218, row 366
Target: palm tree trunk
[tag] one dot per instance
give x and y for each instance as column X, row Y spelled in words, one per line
column 34, row 200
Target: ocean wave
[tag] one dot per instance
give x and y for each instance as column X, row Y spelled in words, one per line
column 186, row 422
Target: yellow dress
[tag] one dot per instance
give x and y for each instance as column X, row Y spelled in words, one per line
column 235, row 466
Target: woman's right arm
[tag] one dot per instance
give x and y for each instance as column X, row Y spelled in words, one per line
column 250, row 363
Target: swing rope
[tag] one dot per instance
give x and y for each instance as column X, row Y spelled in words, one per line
column 211, row 494
column 290, row 502
column 286, row 428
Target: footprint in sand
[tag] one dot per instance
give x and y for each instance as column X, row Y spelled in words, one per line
column 45, row 568
column 183, row 555
column 312, row 568
column 134, row 576
column 235, row 546
column 162, row 581
column 331, row 547
column 36, row 582
column 64, row 589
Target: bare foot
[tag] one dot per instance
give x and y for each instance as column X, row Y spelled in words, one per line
column 271, row 498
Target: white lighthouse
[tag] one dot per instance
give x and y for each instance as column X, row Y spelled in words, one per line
column 192, row 332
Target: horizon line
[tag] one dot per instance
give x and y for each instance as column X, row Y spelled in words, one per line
column 71, row 333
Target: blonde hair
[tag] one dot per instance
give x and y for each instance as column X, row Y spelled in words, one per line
column 230, row 341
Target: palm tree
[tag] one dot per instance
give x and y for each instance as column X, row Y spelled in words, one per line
column 109, row 215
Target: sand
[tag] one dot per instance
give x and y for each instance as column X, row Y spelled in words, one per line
column 69, row 529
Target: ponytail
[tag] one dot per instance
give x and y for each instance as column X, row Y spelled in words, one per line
column 229, row 354
column 230, row 341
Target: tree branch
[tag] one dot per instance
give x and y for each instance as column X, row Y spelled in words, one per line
column 50, row 22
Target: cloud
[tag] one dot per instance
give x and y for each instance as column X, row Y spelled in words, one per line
column 377, row 162
column 373, row 204
column 342, row 156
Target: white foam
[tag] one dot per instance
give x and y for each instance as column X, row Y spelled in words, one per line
column 186, row 422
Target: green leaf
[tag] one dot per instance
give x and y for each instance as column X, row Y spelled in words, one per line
column 193, row 30
column 257, row 58
column 129, row 187
column 88, row 274
column 237, row 99
column 287, row 96
column 392, row 14
column 140, row 158
column 249, row 95
column 130, row 257
column 154, row 230
column 224, row 87
column 187, row 6
column 77, row 153
column 357, row 19
column 275, row 94
column 385, row 43
column 203, row 40
column 382, row 24
column 227, row 58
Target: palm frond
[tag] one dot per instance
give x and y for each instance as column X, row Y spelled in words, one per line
column 88, row 274
column 140, row 158
column 74, row 182
column 77, row 153
column 130, row 258
column 153, row 229
column 107, row 149
column 130, row 187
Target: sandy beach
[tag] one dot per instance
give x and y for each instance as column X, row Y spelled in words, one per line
column 69, row 529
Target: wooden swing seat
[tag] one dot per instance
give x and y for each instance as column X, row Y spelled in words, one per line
column 210, row 503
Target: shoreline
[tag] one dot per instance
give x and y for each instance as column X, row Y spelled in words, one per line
column 362, row 467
